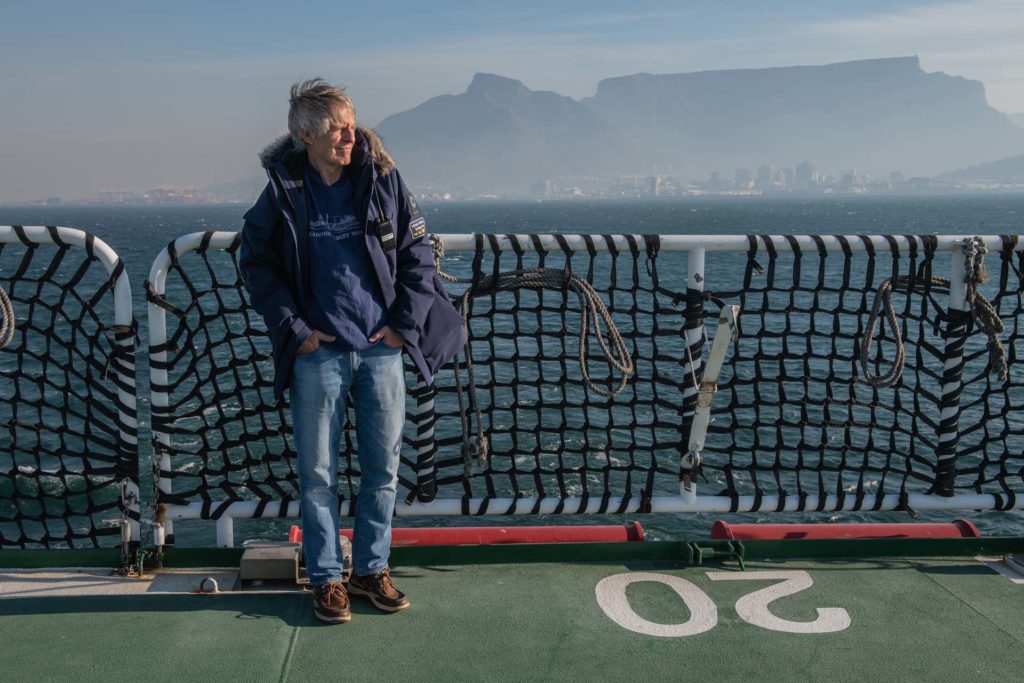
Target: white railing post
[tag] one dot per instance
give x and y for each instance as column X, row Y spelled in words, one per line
column 158, row 398
column 225, row 531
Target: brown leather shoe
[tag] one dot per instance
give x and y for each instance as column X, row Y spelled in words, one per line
column 380, row 590
column 331, row 604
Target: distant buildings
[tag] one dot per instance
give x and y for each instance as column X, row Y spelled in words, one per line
column 744, row 180
column 638, row 186
column 804, row 178
column 654, row 185
column 542, row 188
column 160, row 195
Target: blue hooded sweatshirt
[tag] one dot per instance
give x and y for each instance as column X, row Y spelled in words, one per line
column 275, row 258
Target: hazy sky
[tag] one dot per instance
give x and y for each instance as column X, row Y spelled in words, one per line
column 131, row 95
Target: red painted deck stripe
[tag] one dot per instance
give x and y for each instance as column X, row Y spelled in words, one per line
column 959, row 528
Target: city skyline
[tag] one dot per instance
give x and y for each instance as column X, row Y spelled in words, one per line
column 802, row 179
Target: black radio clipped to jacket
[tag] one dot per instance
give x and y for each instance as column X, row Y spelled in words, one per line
column 386, row 233
column 385, row 229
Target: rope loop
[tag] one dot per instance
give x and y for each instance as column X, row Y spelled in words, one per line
column 883, row 301
column 592, row 311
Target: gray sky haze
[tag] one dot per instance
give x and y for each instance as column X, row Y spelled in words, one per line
column 129, row 96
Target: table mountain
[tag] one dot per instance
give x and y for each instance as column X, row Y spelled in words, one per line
column 873, row 116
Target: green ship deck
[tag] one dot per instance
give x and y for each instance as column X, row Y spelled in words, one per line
column 535, row 613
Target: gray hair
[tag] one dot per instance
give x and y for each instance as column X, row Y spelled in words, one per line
column 313, row 107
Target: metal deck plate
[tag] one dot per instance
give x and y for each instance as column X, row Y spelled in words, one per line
column 270, row 561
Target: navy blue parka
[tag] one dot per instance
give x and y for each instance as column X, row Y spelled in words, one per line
column 275, row 257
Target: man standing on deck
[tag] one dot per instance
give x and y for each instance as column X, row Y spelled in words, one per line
column 336, row 260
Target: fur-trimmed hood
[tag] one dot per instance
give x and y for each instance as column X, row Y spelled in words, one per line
column 367, row 141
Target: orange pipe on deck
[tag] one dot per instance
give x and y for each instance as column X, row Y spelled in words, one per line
column 488, row 535
column 960, row 528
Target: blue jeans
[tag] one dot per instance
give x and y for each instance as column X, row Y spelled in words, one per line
column 321, row 382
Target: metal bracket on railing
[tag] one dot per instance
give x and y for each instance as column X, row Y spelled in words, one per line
column 127, row 561
column 691, row 466
column 727, row 333
column 699, row 551
column 133, row 555
column 159, row 539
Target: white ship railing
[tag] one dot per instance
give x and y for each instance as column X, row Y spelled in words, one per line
column 120, row 371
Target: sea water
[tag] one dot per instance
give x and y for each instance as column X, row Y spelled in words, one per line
column 138, row 233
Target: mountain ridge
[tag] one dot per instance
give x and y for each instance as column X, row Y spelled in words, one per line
column 874, row 116
column 1008, row 170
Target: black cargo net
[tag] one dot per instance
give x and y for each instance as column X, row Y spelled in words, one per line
column 226, row 438
column 526, row 419
column 549, row 436
column 796, row 416
column 517, row 428
column 64, row 450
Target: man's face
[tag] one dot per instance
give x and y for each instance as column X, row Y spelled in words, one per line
column 333, row 149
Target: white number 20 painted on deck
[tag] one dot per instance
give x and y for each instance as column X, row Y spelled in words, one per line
column 751, row 608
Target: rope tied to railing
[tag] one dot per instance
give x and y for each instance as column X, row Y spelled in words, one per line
column 984, row 314
column 437, row 246
column 592, row 310
column 6, row 319
column 980, row 308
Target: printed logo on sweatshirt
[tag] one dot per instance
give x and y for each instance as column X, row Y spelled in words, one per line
column 338, row 227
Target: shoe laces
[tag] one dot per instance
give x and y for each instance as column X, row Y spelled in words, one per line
column 334, row 591
column 385, row 584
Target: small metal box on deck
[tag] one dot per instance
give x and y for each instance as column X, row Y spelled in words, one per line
column 270, row 561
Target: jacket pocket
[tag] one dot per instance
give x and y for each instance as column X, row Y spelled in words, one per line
column 444, row 332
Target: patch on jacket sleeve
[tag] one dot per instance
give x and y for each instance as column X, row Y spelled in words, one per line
column 413, row 206
column 418, row 227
